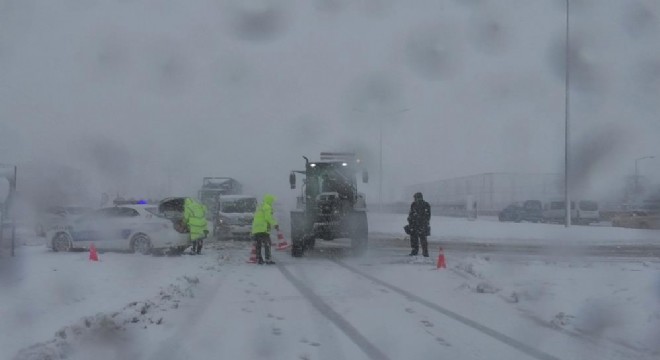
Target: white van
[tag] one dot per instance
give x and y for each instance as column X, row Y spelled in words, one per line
column 554, row 211
column 233, row 218
column 586, row 212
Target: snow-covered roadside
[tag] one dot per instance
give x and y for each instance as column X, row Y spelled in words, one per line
column 599, row 301
column 594, row 298
column 47, row 295
column 62, row 305
column 612, row 309
column 486, row 231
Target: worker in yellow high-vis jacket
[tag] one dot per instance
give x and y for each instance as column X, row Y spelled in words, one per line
column 263, row 223
column 194, row 216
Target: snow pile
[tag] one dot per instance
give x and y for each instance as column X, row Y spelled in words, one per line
column 598, row 301
column 111, row 336
column 491, row 231
column 474, row 270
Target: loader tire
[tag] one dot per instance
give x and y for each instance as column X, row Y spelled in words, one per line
column 297, row 233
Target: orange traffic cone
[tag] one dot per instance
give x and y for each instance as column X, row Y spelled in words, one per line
column 253, row 255
column 93, row 256
column 282, row 244
column 442, row 264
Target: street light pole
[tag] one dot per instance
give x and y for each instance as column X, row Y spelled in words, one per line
column 566, row 118
column 380, row 153
column 380, row 167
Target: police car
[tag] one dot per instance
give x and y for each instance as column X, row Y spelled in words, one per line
column 130, row 227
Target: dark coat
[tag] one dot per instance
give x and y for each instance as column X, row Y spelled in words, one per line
column 419, row 216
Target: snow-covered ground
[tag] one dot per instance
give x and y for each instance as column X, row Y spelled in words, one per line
column 490, row 231
column 331, row 305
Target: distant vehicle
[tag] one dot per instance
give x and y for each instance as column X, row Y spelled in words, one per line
column 137, row 228
column 233, row 218
column 59, row 215
column 637, row 220
column 555, row 211
column 530, row 210
column 587, row 212
column 213, row 188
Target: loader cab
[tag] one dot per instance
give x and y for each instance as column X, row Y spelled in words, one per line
column 329, row 177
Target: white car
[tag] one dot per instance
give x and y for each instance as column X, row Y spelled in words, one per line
column 136, row 228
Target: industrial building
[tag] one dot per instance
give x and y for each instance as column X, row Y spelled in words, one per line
column 491, row 191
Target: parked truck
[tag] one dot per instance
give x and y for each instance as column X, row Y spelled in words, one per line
column 330, row 205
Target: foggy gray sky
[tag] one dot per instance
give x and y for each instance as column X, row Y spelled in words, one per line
column 134, row 91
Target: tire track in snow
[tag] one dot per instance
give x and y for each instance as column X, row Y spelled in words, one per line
column 465, row 321
column 351, row 332
column 171, row 348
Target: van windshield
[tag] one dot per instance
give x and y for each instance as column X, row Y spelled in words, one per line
column 239, row 206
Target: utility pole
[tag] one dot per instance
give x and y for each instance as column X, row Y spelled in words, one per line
column 380, row 152
column 566, row 119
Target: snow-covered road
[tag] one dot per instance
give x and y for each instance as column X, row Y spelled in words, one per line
column 330, row 304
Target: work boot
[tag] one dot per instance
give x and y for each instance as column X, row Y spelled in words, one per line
column 270, row 262
column 260, row 261
column 413, row 252
column 425, row 253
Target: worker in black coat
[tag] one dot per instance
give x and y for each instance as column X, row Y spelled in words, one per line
column 418, row 220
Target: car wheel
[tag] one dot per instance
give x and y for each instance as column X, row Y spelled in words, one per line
column 141, row 244
column 61, row 242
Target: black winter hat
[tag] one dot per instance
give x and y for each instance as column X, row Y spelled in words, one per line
column 418, row 196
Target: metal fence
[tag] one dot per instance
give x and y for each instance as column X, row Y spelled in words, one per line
column 491, row 191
